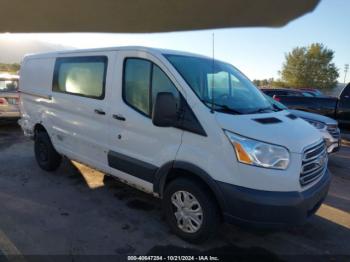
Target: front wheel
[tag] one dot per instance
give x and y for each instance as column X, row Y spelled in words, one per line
column 190, row 210
column 45, row 154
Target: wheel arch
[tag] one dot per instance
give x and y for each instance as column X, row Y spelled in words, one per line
column 174, row 169
column 39, row 127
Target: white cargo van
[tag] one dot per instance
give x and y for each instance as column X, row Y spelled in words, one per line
column 190, row 130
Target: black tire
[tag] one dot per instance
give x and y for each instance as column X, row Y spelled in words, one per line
column 45, row 154
column 211, row 213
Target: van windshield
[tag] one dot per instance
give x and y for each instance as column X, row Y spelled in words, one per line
column 7, row 85
column 232, row 91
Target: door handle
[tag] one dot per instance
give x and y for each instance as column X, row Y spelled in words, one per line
column 119, row 117
column 99, row 112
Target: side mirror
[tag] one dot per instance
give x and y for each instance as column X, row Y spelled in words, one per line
column 164, row 110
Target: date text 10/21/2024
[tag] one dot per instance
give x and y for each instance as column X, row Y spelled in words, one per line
column 173, row 258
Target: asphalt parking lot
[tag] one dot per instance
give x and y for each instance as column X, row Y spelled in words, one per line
column 79, row 211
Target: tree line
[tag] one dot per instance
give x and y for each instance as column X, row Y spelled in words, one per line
column 306, row 67
column 11, row 68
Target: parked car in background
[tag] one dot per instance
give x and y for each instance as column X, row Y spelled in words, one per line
column 9, row 97
column 313, row 92
column 335, row 107
column 188, row 129
column 326, row 125
column 286, row 92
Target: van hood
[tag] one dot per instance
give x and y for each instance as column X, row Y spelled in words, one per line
column 280, row 128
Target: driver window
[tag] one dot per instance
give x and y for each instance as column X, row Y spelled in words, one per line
column 143, row 80
column 161, row 83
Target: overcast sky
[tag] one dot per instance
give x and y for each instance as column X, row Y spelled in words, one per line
column 258, row 52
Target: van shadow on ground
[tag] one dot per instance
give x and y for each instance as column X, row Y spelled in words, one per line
column 241, row 243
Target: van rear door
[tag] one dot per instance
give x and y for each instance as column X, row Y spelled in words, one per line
column 137, row 147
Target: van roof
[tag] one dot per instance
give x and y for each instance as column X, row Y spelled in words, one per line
column 155, row 51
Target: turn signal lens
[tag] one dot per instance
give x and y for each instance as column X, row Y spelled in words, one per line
column 241, row 154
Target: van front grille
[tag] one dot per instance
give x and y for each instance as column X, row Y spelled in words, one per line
column 314, row 163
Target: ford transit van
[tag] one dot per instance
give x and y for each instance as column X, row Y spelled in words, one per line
column 188, row 129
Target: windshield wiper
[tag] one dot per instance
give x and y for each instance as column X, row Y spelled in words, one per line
column 263, row 110
column 225, row 108
column 277, row 108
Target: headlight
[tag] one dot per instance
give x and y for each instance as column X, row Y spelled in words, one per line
column 317, row 124
column 253, row 152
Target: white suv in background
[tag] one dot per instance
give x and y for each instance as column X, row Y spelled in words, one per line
column 327, row 126
column 190, row 130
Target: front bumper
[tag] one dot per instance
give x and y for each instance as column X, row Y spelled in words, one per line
column 333, row 147
column 332, row 138
column 10, row 114
column 333, row 144
column 267, row 208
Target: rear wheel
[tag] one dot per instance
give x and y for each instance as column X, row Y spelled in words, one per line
column 45, row 154
column 190, row 210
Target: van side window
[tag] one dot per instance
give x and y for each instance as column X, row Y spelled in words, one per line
column 161, row 83
column 143, row 80
column 137, row 83
column 83, row 76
